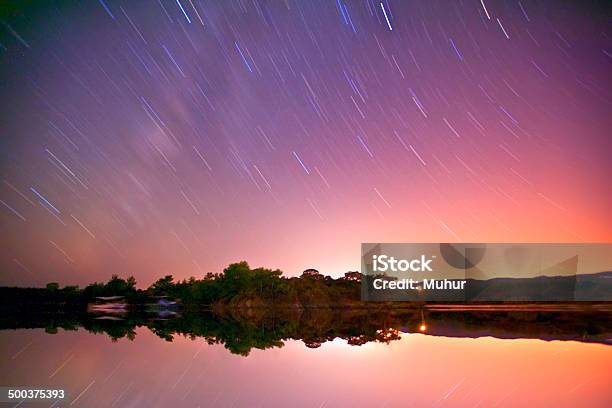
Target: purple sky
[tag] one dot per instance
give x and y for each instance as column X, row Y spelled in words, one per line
column 175, row 137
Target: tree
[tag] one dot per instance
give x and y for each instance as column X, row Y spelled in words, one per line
column 353, row 276
column 52, row 286
column 312, row 274
column 131, row 283
column 162, row 286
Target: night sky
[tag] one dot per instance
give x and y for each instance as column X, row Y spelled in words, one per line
column 174, row 137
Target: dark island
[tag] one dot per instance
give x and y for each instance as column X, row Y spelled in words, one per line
column 246, row 308
column 238, row 286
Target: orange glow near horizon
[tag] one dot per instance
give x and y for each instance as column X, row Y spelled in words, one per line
column 418, row 369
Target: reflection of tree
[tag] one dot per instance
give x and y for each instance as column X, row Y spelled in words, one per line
column 259, row 308
column 238, row 336
column 240, row 332
column 115, row 329
column 237, row 333
column 387, row 335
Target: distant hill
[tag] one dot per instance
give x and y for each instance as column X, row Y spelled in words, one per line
column 589, row 287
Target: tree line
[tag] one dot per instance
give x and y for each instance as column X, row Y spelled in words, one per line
column 237, row 286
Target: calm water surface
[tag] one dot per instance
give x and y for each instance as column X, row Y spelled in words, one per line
column 418, row 370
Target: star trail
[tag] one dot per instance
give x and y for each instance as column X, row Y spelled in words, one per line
column 175, row 137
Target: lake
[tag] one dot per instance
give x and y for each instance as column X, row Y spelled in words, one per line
column 395, row 368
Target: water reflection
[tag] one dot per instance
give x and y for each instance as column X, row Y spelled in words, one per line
column 416, row 370
column 241, row 330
